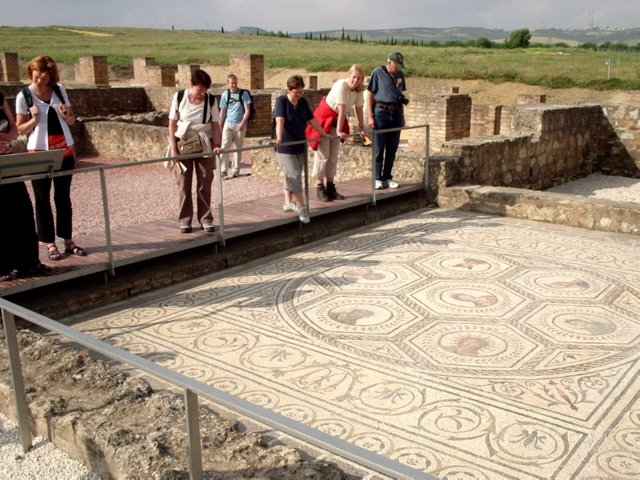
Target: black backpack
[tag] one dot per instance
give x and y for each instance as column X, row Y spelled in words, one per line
column 252, row 108
column 207, row 104
column 26, row 93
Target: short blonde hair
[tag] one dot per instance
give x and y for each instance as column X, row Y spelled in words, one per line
column 357, row 68
column 44, row 64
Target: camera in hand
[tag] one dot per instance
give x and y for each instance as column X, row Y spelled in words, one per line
column 404, row 100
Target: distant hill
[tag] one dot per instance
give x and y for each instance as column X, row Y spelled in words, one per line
column 465, row 34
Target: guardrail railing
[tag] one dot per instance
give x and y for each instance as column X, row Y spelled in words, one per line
column 220, row 238
column 192, row 389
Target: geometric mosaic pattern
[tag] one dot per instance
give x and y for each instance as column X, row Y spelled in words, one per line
column 465, row 345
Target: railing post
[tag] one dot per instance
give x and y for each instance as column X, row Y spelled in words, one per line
column 426, row 159
column 374, row 140
column 16, row 376
column 193, row 434
column 305, row 187
column 107, row 221
column 219, row 200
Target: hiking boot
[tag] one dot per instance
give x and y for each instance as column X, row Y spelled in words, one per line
column 322, row 193
column 332, row 193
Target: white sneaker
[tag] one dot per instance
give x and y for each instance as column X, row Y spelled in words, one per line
column 392, row 184
column 289, row 207
column 379, row 185
column 303, row 214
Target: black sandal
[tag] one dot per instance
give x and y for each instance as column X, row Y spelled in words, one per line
column 72, row 249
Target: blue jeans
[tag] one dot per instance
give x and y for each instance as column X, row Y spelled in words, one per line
column 386, row 143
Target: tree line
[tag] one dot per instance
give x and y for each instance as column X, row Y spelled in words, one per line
column 520, row 38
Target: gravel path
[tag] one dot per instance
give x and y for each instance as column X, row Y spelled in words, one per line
column 607, row 187
column 44, row 460
column 145, row 193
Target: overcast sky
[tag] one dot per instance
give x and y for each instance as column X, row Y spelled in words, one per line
column 295, row 16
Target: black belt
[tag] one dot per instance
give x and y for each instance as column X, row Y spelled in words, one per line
column 387, row 106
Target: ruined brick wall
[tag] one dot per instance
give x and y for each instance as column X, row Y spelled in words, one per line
column 249, row 68
column 91, row 101
column 485, row 120
column 9, row 67
column 126, row 141
column 448, row 116
column 92, row 71
column 556, row 144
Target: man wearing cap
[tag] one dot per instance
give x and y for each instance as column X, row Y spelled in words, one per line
column 385, row 109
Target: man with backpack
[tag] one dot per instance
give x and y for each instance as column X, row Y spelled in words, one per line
column 236, row 110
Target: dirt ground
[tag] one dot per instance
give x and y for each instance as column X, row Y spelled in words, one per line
column 119, row 420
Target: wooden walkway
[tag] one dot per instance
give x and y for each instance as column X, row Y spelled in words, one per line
column 141, row 242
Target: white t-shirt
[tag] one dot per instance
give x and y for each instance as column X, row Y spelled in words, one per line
column 341, row 93
column 190, row 112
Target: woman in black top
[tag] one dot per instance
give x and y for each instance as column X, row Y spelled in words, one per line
column 19, row 241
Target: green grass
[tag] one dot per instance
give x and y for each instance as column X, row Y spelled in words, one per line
column 552, row 67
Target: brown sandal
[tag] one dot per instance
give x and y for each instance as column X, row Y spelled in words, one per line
column 53, row 253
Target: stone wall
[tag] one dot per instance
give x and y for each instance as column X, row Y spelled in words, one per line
column 621, row 138
column 354, row 161
column 91, row 101
column 551, row 207
column 126, row 141
column 556, row 145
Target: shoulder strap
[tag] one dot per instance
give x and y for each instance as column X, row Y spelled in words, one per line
column 209, row 102
column 26, row 93
column 58, row 92
column 179, row 100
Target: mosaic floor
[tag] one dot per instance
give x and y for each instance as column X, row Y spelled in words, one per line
column 464, row 345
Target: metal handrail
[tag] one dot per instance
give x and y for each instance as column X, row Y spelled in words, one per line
column 220, row 202
column 192, row 388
